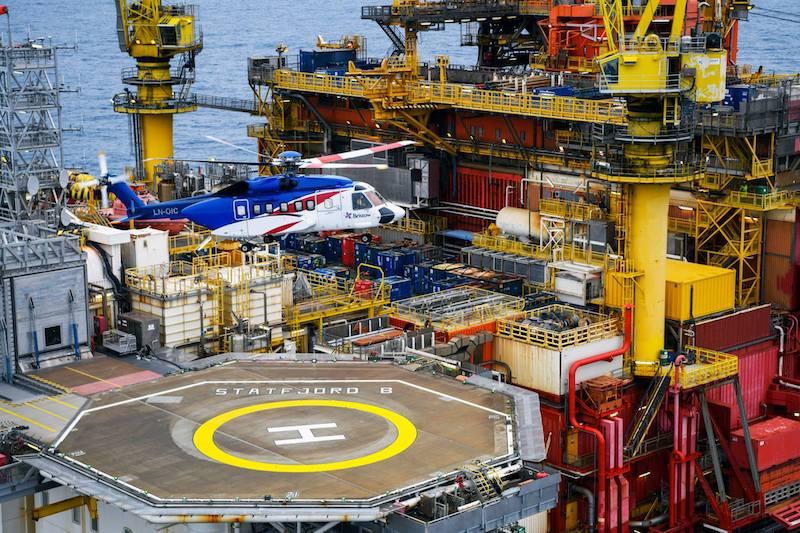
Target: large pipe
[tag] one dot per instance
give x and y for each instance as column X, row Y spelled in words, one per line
column 589, row 495
column 573, row 413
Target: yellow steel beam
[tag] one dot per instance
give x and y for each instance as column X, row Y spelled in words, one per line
column 65, row 505
column 646, row 19
column 678, row 18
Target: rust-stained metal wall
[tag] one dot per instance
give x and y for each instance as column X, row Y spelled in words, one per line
column 781, row 270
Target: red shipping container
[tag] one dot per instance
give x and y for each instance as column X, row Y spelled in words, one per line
column 774, row 442
column 758, row 364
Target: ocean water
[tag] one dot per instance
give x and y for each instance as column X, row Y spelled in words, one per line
column 237, row 29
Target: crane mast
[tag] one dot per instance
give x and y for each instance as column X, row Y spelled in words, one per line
column 154, row 33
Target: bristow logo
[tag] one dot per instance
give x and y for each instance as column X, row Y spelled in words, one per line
column 348, row 214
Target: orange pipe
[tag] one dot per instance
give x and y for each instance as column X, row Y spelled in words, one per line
column 598, row 435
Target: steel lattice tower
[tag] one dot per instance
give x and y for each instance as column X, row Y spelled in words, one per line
column 31, row 151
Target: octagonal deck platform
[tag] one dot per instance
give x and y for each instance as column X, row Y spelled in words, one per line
column 343, row 431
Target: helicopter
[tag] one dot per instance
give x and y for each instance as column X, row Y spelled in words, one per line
column 272, row 206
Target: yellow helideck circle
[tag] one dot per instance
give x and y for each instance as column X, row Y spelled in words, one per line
column 204, row 437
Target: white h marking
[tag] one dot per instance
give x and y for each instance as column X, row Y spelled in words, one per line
column 306, row 434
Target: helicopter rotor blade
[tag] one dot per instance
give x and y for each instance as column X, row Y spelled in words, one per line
column 343, row 165
column 359, row 153
column 242, row 148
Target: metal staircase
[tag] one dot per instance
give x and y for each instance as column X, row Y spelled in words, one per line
column 646, row 414
column 396, row 36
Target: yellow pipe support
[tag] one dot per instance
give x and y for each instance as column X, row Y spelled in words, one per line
column 648, row 247
column 65, row 505
column 156, row 144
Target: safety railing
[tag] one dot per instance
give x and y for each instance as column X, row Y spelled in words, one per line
column 709, row 366
column 681, row 225
column 527, row 104
column 591, row 327
column 570, row 210
column 462, row 96
column 187, row 241
column 759, row 202
column 419, row 226
column 677, row 172
column 569, row 252
column 129, row 102
column 173, row 279
column 629, row 84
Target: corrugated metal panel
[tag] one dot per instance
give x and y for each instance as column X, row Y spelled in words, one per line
column 758, row 364
column 698, row 290
column 780, row 235
column 485, row 189
column 781, row 281
column 732, row 330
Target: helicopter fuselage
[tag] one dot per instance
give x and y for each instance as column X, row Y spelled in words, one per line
column 273, row 206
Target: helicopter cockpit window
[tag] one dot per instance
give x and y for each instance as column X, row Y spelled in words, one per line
column 360, row 201
column 375, row 198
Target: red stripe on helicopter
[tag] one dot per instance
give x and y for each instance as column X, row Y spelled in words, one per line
column 279, row 229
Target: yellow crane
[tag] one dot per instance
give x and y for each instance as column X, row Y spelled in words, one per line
column 657, row 74
column 153, row 33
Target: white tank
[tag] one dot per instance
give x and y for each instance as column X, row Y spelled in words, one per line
column 519, row 222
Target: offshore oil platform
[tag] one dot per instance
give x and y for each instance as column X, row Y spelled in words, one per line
column 554, row 291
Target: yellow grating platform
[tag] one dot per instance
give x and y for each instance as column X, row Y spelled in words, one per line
column 710, row 367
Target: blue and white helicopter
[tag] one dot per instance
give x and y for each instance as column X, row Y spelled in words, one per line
column 267, row 207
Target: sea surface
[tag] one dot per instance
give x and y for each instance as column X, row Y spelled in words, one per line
column 237, row 29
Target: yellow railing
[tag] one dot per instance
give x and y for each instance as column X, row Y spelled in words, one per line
column 595, row 327
column 459, row 96
column 760, row 202
column 187, row 241
column 570, row 252
column 175, row 278
column 570, row 210
column 419, row 226
column 710, row 366
column 681, row 225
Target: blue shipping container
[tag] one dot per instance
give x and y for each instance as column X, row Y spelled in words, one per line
column 390, row 262
column 333, row 249
column 399, row 288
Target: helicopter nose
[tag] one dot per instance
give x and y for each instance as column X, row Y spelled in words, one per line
column 398, row 211
column 391, row 213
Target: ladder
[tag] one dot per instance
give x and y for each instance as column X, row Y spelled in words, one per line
column 646, row 414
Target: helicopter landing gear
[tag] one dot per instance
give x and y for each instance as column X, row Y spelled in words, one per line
column 366, row 238
column 246, row 247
